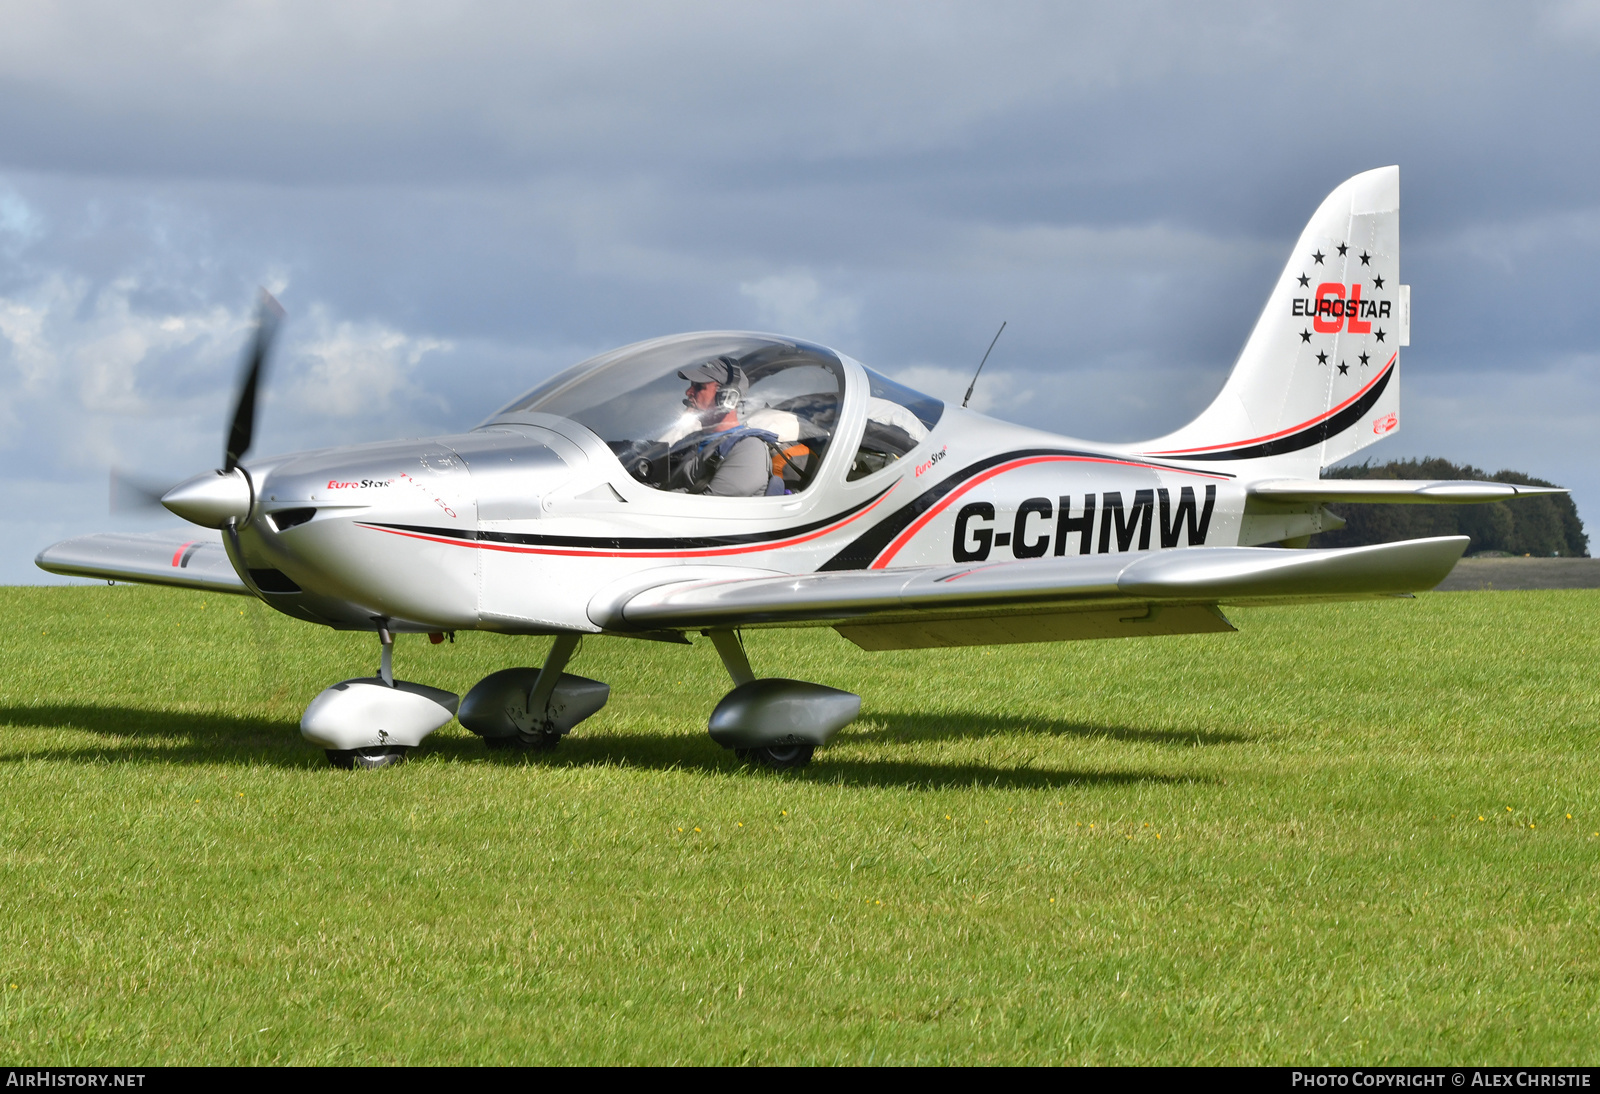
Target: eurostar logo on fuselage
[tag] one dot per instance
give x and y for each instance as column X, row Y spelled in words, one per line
column 1121, row 524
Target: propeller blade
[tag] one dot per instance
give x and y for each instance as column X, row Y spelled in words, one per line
column 135, row 494
column 243, row 424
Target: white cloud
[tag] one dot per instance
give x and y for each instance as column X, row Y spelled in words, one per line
column 135, row 371
column 997, row 391
column 18, row 220
column 795, row 303
column 29, row 353
column 345, row 369
column 90, row 352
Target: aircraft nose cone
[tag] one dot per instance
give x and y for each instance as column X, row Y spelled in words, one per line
column 212, row 499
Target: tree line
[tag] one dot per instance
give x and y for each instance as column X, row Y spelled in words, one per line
column 1539, row 526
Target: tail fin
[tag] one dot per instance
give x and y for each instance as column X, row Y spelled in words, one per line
column 1319, row 378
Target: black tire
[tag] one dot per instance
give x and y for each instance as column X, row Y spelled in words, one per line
column 778, row 757
column 540, row 742
column 517, row 742
column 349, row 759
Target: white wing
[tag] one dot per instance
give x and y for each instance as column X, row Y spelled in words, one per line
column 190, row 558
column 1141, row 593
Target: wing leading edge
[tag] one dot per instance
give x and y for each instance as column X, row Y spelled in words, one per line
column 190, row 558
column 1143, row 593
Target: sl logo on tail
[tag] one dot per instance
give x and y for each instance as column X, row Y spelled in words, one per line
column 1332, row 311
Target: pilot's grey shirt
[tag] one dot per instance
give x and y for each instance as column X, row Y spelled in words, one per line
column 745, row 471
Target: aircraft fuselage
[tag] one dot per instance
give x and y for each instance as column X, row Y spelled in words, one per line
column 520, row 525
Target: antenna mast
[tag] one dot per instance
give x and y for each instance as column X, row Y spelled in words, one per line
column 985, row 360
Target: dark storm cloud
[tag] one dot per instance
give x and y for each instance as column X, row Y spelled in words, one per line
column 455, row 200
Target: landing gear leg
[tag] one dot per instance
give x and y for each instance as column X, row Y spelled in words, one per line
column 534, row 731
column 530, row 708
column 386, row 658
column 731, row 649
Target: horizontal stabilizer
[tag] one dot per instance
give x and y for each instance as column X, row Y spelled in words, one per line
column 1394, row 491
column 189, row 558
column 1199, row 575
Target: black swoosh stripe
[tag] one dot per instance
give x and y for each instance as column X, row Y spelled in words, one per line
column 631, row 543
column 1294, row 442
column 858, row 554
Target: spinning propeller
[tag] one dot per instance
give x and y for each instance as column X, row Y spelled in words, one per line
column 218, row 499
column 134, row 493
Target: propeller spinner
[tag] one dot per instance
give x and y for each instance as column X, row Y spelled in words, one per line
column 216, row 499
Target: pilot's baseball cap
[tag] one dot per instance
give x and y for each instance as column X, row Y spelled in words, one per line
column 718, row 370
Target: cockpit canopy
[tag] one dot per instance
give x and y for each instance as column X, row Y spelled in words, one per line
column 634, row 399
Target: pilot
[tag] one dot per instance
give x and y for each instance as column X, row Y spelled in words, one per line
column 730, row 460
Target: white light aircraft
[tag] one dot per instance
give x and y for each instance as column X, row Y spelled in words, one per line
column 719, row 481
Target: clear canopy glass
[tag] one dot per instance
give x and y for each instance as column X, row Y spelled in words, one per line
column 898, row 420
column 633, row 399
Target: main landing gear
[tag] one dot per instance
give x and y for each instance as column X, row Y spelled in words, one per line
column 532, row 708
column 774, row 722
column 374, row 721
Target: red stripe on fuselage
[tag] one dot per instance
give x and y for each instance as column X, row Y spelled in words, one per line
column 883, row 560
column 1292, row 429
column 587, row 552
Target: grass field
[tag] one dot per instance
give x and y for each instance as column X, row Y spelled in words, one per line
column 1360, row 833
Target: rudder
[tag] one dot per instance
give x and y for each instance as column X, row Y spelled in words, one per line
column 1319, row 377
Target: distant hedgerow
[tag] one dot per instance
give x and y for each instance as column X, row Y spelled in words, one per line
column 1541, row 526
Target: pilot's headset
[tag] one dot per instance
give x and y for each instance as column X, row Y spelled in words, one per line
column 729, row 395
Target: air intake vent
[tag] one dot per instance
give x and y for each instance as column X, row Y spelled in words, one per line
column 273, row 581
column 284, row 519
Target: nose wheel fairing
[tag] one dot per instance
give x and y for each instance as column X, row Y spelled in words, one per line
column 367, row 713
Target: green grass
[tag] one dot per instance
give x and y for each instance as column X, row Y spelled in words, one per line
column 1338, row 836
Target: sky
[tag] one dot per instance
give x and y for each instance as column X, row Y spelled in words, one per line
column 453, row 201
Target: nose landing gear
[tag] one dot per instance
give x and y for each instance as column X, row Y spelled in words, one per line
column 374, row 721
